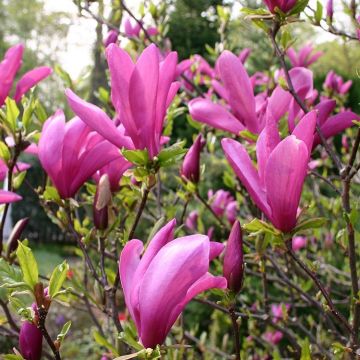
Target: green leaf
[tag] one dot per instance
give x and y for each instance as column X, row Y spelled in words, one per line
column 4, row 152
column 12, row 113
column 246, row 134
column 65, row 329
column 137, row 157
column 65, row 77
column 40, row 112
column 258, row 11
column 171, row 154
column 130, row 356
column 20, row 307
column 256, row 226
column 12, row 357
column 103, row 342
column 9, row 275
column 18, row 179
column 305, row 350
column 355, row 219
column 299, row 7
column 318, row 12
column 286, row 39
column 51, row 194
column 28, row 112
column 309, row 224
column 28, row 265
column 57, row 278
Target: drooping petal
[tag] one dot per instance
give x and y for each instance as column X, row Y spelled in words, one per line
column 175, row 268
column 206, row 282
column 215, row 115
column 284, row 177
column 97, row 120
column 91, row 161
column 30, row 79
column 336, row 124
column 325, row 108
column 239, row 89
column 8, row 197
column 243, row 167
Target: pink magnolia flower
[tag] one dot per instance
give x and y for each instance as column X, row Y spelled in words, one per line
column 273, row 337
column 190, row 169
column 8, row 197
column 335, row 83
column 244, row 110
column 277, row 311
column 131, row 30
column 276, row 185
column 191, row 220
column 284, row 5
column 152, row 30
column 30, row 341
column 71, row 153
column 8, row 69
column 140, row 93
column 111, row 38
column 305, row 57
column 195, row 67
column 233, row 269
column 298, row 242
column 158, row 286
column 219, row 201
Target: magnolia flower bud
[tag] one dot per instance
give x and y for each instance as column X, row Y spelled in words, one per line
column 233, row 269
column 101, row 202
column 30, row 341
column 190, row 169
column 15, row 235
column 330, row 10
column 111, row 38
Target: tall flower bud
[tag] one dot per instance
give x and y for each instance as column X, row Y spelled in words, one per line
column 233, row 269
column 101, row 202
column 330, row 11
column 190, row 169
column 15, row 235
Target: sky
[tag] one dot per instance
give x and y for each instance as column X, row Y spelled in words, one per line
column 81, row 35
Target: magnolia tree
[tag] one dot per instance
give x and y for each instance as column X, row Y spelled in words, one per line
column 165, row 264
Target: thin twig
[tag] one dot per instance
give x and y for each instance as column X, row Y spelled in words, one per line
column 323, row 291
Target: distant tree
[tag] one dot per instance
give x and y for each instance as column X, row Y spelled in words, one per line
column 191, row 28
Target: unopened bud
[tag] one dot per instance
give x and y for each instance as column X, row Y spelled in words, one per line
column 16, row 232
column 101, row 201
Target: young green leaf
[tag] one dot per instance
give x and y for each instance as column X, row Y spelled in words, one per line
column 57, row 278
column 28, row 265
column 65, row 329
